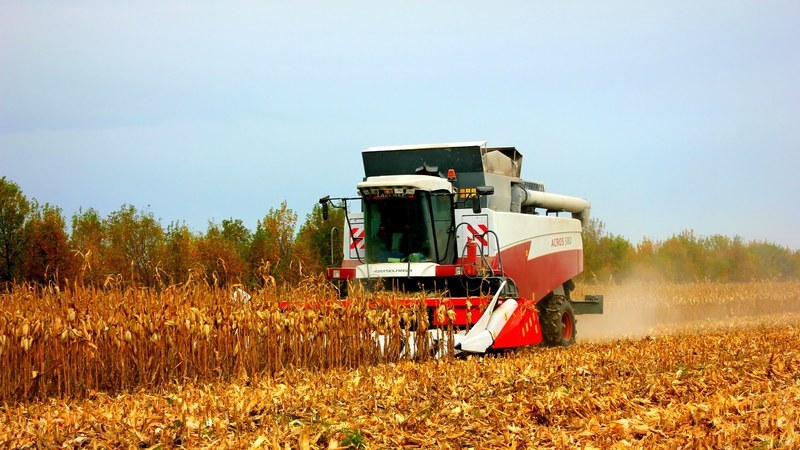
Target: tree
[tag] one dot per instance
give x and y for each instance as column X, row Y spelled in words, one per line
column 619, row 254
column 643, row 260
column 47, row 254
column 179, row 249
column 772, row 261
column 239, row 236
column 272, row 246
column 86, row 242
column 796, row 262
column 134, row 243
column 313, row 242
column 221, row 252
column 743, row 265
column 681, row 258
column 720, row 257
column 606, row 256
column 592, row 260
column 14, row 208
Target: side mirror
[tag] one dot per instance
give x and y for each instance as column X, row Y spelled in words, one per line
column 324, row 202
column 476, row 203
column 476, row 199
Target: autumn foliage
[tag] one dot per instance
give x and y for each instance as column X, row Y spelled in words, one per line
column 132, row 247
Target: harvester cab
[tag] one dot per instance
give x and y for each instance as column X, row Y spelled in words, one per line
column 458, row 224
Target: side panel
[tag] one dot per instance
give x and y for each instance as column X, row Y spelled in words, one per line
column 539, row 252
column 475, row 226
column 538, row 277
column 353, row 243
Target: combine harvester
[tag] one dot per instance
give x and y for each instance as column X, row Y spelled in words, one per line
column 458, row 219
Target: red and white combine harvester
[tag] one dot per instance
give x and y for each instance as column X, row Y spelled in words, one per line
column 458, row 219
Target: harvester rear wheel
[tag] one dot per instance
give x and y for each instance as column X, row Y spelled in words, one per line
column 558, row 321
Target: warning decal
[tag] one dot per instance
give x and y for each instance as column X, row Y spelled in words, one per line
column 475, row 227
column 356, row 238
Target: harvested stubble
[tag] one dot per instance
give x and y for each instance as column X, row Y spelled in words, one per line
column 67, row 343
column 733, row 387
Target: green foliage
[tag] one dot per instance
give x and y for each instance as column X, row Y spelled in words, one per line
column 681, row 257
column 353, row 439
column 606, row 256
column 685, row 257
column 179, row 244
column 86, row 241
column 133, row 243
column 773, row 261
column 234, row 232
column 318, row 240
column 14, row 209
column 592, row 261
column 796, row 263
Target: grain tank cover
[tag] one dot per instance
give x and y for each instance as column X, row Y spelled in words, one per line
column 470, row 160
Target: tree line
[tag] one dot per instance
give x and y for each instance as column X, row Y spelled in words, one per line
column 130, row 246
column 685, row 257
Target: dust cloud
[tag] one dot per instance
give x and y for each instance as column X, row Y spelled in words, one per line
column 635, row 310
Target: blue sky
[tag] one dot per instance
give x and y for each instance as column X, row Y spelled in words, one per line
column 667, row 117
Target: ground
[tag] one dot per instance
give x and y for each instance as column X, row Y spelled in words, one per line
column 716, row 382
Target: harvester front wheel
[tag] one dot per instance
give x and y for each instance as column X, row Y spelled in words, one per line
column 558, row 321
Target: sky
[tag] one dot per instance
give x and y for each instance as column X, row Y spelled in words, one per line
column 667, row 116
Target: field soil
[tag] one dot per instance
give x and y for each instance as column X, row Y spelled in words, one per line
column 666, row 366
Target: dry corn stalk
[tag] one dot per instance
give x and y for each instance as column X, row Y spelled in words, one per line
column 80, row 340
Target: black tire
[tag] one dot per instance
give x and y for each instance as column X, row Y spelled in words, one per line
column 558, row 321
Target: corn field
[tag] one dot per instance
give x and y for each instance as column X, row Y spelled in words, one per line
column 702, row 365
column 68, row 343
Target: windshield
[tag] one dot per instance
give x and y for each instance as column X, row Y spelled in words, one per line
column 407, row 229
